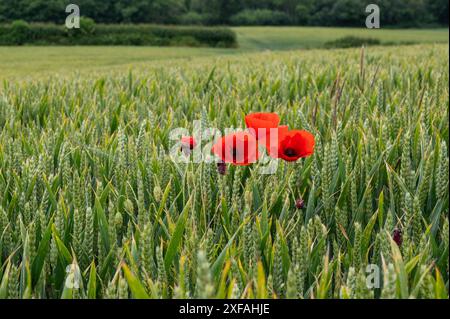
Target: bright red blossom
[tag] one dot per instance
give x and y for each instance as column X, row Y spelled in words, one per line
column 266, row 121
column 294, row 145
column 240, row 148
column 273, row 137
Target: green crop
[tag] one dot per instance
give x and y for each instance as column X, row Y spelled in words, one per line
column 92, row 206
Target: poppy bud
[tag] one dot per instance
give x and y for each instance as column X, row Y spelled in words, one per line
column 299, row 203
column 222, row 168
column 397, row 236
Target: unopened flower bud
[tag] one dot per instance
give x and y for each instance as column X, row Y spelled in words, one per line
column 299, row 203
column 222, row 168
column 397, row 236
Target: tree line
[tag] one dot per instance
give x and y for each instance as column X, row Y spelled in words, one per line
column 404, row 13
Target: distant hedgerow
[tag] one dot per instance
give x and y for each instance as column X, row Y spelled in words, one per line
column 20, row 33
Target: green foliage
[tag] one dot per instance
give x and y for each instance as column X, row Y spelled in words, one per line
column 260, row 17
column 220, row 12
column 86, row 182
column 19, row 32
column 351, row 42
column 89, row 33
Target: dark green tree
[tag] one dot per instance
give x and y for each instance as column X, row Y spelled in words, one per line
column 297, row 12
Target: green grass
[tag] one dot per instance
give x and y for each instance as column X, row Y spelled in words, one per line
column 89, row 193
column 289, row 38
column 31, row 62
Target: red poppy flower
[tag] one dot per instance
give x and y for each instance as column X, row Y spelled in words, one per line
column 240, row 148
column 259, row 121
column 294, row 144
column 273, row 137
column 188, row 142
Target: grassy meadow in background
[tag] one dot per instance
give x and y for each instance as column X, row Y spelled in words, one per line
column 291, row 38
column 88, row 193
column 36, row 61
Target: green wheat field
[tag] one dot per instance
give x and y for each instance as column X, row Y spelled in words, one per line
column 92, row 206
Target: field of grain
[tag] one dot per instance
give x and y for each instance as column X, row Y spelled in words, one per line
column 92, row 205
column 36, row 62
column 290, row 38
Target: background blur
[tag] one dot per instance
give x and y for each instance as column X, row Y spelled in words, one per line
column 395, row 13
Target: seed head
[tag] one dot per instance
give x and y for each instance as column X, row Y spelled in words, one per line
column 157, row 193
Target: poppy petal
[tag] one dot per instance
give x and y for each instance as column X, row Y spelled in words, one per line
column 258, row 121
column 239, row 148
column 295, row 144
